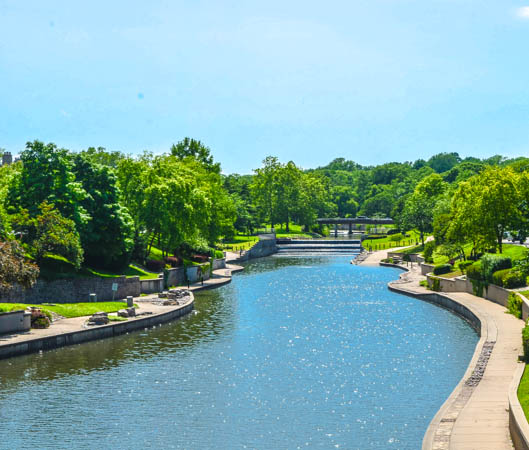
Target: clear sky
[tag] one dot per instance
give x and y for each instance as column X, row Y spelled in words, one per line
column 372, row 81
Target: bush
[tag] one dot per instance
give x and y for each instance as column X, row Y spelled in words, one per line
column 514, row 279
column 492, row 263
column 173, row 261
column 40, row 319
column 442, row 268
column 429, row 248
column 514, row 305
column 393, row 231
column 219, row 254
column 154, row 265
column 499, row 275
column 463, row 265
column 525, row 342
column 199, row 258
column 436, row 284
column 474, row 271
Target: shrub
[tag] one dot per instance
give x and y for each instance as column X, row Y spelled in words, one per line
column 525, row 342
column 514, row 279
column 499, row 275
column 219, row 254
column 429, row 248
column 441, row 269
column 514, row 305
column 436, row 284
column 492, row 263
column 173, row 261
column 154, row 265
column 474, row 271
column 39, row 318
column 463, row 265
column 199, row 258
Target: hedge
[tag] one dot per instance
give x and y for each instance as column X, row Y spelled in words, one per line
column 499, row 275
column 514, row 279
column 463, row 265
column 491, row 263
column 474, row 271
column 441, row 269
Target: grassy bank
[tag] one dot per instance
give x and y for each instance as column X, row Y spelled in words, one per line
column 69, row 310
column 523, row 392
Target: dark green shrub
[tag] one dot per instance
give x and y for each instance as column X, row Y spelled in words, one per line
column 474, row 271
column 491, row 263
column 429, row 248
column 499, row 275
column 442, row 268
column 514, row 279
column 514, row 305
column 525, row 342
column 462, row 265
column 155, row 265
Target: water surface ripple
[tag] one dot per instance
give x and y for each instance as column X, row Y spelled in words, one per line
column 294, row 353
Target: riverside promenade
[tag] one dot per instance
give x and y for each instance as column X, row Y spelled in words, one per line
column 71, row 331
column 476, row 414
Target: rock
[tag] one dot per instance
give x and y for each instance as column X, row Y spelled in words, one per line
column 131, row 311
column 99, row 318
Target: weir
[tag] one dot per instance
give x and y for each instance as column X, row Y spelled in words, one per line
column 307, row 247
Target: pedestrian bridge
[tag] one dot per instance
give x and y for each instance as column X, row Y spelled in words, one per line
column 361, row 220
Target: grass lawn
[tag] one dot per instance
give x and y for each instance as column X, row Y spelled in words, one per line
column 56, row 267
column 511, row 250
column 525, row 293
column 410, row 250
column 455, row 273
column 386, row 244
column 70, row 310
column 523, row 392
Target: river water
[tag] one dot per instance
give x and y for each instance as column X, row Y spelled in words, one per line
column 294, row 353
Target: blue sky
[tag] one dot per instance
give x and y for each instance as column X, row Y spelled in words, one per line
column 372, row 81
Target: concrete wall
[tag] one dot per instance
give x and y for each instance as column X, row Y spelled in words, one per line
column 518, row 425
column 151, row 286
column 12, row 322
column 73, row 290
column 219, row 263
column 265, row 247
column 414, row 257
column 426, row 268
column 493, row 293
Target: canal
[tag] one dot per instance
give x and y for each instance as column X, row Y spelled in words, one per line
column 294, row 353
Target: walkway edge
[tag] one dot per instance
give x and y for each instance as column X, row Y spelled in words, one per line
column 518, row 425
column 90, row 334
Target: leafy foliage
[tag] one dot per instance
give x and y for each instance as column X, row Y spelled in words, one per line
column 14, row 267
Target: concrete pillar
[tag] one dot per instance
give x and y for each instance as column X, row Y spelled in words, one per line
column 130, row 301
column 335, row 230
column 350, row 228
column 93, row 298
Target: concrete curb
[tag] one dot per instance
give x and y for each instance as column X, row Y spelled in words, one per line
column 89, row 334
column 518, row 425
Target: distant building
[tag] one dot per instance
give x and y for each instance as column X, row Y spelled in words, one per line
column 7, row 158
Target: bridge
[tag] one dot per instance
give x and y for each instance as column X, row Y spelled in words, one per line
column 361, row 220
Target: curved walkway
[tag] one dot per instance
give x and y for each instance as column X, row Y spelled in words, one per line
column 476, row 415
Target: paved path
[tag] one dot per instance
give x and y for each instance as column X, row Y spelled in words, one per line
column 219, row 278
column 65, row 326
column 474, row 417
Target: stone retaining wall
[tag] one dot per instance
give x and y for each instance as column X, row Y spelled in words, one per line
column 73, row 290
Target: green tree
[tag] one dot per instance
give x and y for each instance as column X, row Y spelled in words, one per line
column 107, row 237
column 14, row 267
column 191, row 148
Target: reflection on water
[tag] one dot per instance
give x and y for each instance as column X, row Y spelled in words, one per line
column 301, row 352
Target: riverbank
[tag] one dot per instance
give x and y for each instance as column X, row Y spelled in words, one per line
column 476, row 414
column 75, row 330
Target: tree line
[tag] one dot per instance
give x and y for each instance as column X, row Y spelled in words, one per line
column 105, row 208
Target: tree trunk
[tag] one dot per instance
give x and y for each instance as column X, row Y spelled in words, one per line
column 422, row 238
